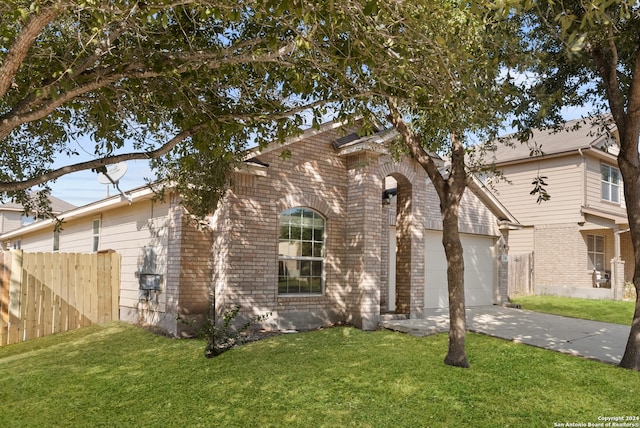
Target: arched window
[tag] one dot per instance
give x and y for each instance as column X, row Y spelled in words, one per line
column 301, row 252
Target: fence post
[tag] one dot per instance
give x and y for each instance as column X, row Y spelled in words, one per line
column 5, row 278
column 115, row 286
column 15, row 296
column 108, row 262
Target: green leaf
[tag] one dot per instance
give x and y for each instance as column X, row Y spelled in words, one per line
column 371, row 7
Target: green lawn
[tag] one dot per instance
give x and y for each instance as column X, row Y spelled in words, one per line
column 617, row 312
column 117, row 375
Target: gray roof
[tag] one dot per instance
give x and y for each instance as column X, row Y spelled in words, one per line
column 576, row 134
column 57, row 205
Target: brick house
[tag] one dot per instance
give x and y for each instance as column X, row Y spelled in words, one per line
column 583, row 226
column 340, row 232
column 336, row 232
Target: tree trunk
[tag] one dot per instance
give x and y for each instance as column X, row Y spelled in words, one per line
column 629, row 163
column 456, row 355
column 631, row 357
column 626, row 114
column 450, row 191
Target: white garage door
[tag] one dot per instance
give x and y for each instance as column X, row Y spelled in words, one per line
column 479, row 270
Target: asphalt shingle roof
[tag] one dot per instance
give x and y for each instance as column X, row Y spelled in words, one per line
column 57, row 205
column 550, row 142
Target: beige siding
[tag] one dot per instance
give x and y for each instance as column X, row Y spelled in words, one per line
column 10, row 220
column 521, row 241
column 40, row 241
column 130, row 230
column 594, row 190
column 565, row 184
column 474, row 217
column 77, row 236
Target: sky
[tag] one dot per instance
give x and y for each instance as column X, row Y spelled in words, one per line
column 82, row 188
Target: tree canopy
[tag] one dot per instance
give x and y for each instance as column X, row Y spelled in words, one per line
column 190, row 83
column 172, row 79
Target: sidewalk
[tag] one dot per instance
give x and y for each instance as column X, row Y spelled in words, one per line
column 590, row 339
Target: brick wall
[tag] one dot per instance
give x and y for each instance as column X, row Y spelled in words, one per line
column 404, row 247
column 502, row 291
column 220, row 225
column 195, row 269
column 364, row 211
column 246, row 230
column 561, row 255
column 410, row 210
column 189, row 272
column 561, row 258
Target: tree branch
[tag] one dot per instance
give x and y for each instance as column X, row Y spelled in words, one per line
column 15, row 119
column 153, row 154
column 609, row 74
column 416, row 149
column 23, row 42
column 39, row 108
column 633, row 108
column 458, row 175
column 98, row 163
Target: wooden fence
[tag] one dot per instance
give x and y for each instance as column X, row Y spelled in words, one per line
column 520, row 274
column 47, row 293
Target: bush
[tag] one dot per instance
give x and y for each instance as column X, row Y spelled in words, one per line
column 629, row 292
column 221, row 338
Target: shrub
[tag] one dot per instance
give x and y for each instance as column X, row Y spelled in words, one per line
column 223, row 337
column 629, row 292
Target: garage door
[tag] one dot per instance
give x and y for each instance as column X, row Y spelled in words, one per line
column 479, row 270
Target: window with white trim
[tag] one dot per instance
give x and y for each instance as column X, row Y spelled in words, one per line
column 610, row 183
column 96, row 235
column 595, row 252
column 301, row 252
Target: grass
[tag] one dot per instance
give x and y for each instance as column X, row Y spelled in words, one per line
column 618, row 312
column 118, row 375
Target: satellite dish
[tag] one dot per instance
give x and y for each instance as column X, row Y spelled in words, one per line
column 114, row 174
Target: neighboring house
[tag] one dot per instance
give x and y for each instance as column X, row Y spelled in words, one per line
column 336, row 232
column 159, row 250
column 583, row 226
column 12, row 215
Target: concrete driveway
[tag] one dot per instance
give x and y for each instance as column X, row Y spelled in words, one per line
column 590, row 339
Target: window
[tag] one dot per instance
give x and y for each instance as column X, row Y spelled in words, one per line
column 56, row 240
column 595, row 251
column 301, row 248
column 27, row 220
column 17, row 244
column 96, row 235
column 610, row 183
